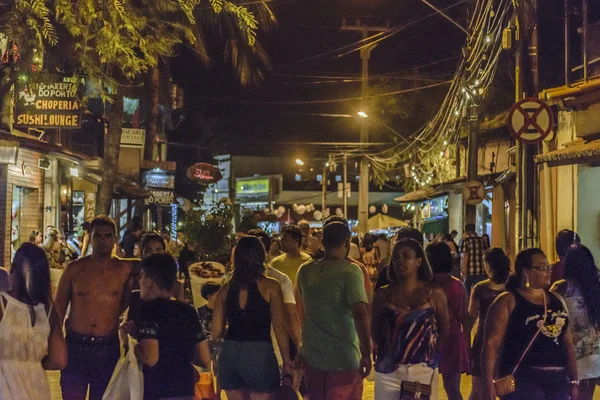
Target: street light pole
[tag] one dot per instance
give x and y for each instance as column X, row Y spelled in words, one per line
column 363, row 180
column 324, row 188
column 345, row 196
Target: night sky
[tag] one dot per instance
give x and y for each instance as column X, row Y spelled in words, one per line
column 307, row 64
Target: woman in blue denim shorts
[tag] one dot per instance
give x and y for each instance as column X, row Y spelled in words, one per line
column 249, row 303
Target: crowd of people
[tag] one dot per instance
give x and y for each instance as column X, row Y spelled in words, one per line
column 313, row 311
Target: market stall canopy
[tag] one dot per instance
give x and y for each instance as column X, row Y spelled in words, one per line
column 577, row 152
column 420, row 195
column 381, row 221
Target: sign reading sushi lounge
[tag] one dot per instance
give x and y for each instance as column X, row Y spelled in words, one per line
column 51, row 104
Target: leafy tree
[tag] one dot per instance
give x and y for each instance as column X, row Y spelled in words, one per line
column 209, row 231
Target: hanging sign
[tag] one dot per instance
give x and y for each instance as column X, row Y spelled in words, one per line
column 133, row 137
column 160, row 181
column 161, row 197
column 530, row 121
column 473, row 193
column 90, row 206
column 204, row 173
column 51, row 104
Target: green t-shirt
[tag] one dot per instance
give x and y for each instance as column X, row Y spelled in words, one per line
column 329, row 289
column 288, row 265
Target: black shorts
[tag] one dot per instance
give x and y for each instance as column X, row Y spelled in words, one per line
column 91, row 361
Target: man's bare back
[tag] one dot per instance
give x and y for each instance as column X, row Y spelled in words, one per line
column 98, row 292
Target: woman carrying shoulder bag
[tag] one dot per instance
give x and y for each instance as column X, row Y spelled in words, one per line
column 408, row 318
column 527, row 337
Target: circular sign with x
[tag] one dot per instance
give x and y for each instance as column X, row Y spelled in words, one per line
column 530, row 121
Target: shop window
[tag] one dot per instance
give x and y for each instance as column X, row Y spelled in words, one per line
column 24, row 216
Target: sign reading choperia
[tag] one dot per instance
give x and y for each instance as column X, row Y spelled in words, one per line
column 51, row 104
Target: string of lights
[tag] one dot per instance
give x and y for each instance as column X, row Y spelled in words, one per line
column 474, row 74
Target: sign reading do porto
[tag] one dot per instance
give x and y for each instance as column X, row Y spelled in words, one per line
column 203, row 173
column 48, row 104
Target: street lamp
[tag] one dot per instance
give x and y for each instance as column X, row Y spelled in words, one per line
column 299, row 162
column 362, row 114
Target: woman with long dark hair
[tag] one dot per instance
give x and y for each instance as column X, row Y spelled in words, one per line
column 408, row 316
column 31, row 338
column 249, row 303
column 527, row 337
column 483, row 295
column 581, row 290
column 454, row 353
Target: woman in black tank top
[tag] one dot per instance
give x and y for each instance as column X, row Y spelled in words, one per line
column 546, row 369
column 249, row 303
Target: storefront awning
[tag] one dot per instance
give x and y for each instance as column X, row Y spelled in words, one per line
column 577, row 153
column 420, row 195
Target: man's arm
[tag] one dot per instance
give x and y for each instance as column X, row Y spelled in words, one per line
column 291, row 313
column 127, row 287
column 360, row 314
column 64, row 292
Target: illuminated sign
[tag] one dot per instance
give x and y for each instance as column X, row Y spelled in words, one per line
column 48, row 104
column 204, row 173
column 161, row 197
column 160, row 181
column 252, row 187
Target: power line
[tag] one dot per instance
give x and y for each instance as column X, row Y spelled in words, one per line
column 217, row 100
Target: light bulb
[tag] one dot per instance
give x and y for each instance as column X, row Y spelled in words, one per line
column 456, row 113
column 441, row 153
column 476, row 82
column 488, row 39
column 445, row 143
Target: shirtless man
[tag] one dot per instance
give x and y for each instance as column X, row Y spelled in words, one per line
column 98, row 288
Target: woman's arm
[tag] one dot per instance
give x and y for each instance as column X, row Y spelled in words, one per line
column 202, row 354
column 440, row 305
column 278, row 321
column 474, row 306
column 56, row 359
column 466, row 320
column 571, row 364
column 147, row 351
column 495, row 329
column 218, row 319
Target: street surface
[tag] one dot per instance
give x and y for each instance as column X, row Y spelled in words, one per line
column 54, row 377
column 368, row 392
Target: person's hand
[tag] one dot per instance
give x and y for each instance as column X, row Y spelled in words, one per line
column 126, row 328
column 288, row 373
column 365, row 365
column 488, row 392
column 574, row 391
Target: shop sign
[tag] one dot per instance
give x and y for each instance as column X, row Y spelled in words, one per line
column 50, row 104
column 133, row 137
column 204, row 173
column 161, row 197
column 90, row 206
column 160, row 181
column 252, row 187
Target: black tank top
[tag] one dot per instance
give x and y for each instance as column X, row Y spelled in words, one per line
column 548, row 349
column 253, row 323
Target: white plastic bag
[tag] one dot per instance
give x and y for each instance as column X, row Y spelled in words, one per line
column 127, row 381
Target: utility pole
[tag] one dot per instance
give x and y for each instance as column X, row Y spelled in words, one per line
column 473, row 148
column 363, row 181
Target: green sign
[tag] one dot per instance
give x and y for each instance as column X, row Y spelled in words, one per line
column 252, row 187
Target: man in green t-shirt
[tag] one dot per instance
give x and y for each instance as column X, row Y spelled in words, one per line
column 336, row 343
column 292, row 257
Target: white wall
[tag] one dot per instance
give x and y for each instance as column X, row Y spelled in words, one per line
column 588, row 215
